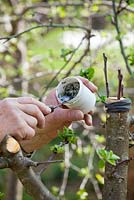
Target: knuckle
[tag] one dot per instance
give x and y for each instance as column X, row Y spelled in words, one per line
column 30, row 133
column 15, row 117
column 38, row 113
column 20, row 129
column 20, row 133
column 34, row 122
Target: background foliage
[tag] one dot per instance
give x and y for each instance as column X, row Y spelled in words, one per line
column 44, row 41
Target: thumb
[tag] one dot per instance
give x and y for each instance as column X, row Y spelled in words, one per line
column 68, row 115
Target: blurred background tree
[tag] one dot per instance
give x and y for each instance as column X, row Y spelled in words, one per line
column 44, row 41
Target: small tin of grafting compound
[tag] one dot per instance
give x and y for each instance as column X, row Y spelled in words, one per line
column 74, row 94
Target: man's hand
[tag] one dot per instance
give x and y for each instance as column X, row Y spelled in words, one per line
column 57, row 120
column 62, row 117
column 20, row 116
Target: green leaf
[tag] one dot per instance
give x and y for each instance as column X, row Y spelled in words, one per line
column 79, row 151
column 101, row 99
column 1, row 195
column 101, row 164
column 61, row 11
column 100, row 178
column 107, row 156
column 84, row 171
column 94, row 8
column 65, row 52
column 112, row 162
column 87, row 73
column 57, row 149
column 102, row 153
column 118, row 37
column 55, row 190
column 82, row 194
column 100, row 138
column 67, row 136
column 130, row 2
column 115, row 157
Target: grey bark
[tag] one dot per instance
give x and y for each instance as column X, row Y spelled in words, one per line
column 20, row 165
column 117, row 140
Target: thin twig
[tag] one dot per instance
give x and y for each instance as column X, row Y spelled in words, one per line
column 85, row 52
column 63, row 67
column 119, row 6
column 40, row 169
column 122, row 162
column 47, row 162
column 105, row 73
column 122, row 90
column 66, row 171
column 116, row 24
column 120, row 78
column 109, row 4
column 96, row 188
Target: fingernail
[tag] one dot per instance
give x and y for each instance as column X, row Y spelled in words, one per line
column 79, row 115
column 48, row 109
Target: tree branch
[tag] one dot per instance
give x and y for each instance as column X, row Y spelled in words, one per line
column 11, row 151
column 115, row 15
column 7, row 38
column 3, row 163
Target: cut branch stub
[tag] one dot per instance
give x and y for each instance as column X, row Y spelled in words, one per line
column 12, row 145
column 14, row 159
column 9, row 145
column 117, row 140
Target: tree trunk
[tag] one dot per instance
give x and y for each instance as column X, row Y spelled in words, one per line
column 117, row 140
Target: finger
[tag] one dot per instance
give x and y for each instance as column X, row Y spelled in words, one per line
column 88, row 119
column 88, row 84
column 24, row 133
column 31, row 121
column 30, row 133
column 68, row 115
column 29, row 100
column 34, row 111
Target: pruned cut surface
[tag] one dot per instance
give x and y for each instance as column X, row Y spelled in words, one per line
column 12, row 145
